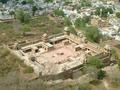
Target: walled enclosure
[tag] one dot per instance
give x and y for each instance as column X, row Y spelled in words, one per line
column 57, row 54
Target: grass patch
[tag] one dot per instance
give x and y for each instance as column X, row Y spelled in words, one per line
column 10, row 63
column 28, row 69
column 10, row 32
column 95, row 82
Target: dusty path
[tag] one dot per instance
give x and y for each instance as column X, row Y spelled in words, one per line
column 106, row 85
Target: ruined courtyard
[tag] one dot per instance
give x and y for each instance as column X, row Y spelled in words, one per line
column 54, row 55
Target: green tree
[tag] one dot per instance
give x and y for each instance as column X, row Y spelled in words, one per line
column 30, row 1
column 109, row 10
column 67, row 21
column 93, row 34
column 84, row 87
column 103, row 11
column 118, row 14
column 12, row 13
column 114, row 53
column 48, row 1
column 23, row 16
column 81, row 22
column 59, row 12
column 28, row 69
column 85, row 3
column 24, row 2
column 67, row 2
column 72, row 30
column 118, row 62
column 34, row 9
column 4, row 1
column 95, row 62
column 25, row 28
column 100, row 74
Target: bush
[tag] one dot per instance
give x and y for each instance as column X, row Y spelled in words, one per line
column 4, row 1
column 95, row 62
column 67, row 21
column 114, row 53
column 28, row 69
column 8, row 62
column 93, row 34
column 84, row 87
column 23, row 16
column 118, row 62
column 48, row 1
column 72, row 30
column 100, row 74
column 81, row 22
column 85, row 3
column 103, row 11
column 34, row 9
column 59, row 12
column 25, row 28
column 95, row 82
column 118, row 14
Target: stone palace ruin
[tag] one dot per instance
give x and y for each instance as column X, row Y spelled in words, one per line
column 54, row 55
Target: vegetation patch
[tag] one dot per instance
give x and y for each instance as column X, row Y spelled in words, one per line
column 28, row 69
column 10, row 63
column 95, row 62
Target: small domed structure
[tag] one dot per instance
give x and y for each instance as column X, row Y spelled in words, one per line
column 45, row 37
column 66, row 31
column 84, row 40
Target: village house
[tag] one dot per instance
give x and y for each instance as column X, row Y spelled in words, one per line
column 112, row 32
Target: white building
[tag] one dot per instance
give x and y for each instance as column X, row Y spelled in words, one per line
column 4, row 15
column 113, row 32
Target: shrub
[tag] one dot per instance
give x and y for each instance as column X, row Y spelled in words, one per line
column 59, row 12
column 118, row 14
column 93, row 34
column 48, row 1
column 95, row 62
column 67, row 21
column 8, row 62
column 25, row 28
column 84, row 87
column 114, row 53
column 118, row 62
column 100, row 74
column 28, row 69
column 103, row 11
column 85, row 3
column 23, row 16
column 81, row 22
